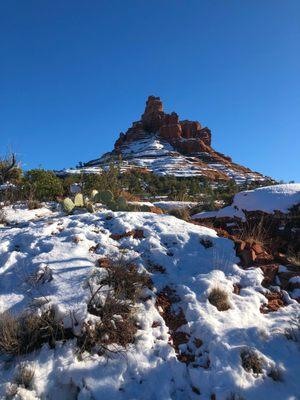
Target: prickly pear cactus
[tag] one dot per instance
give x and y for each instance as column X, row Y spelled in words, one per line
column 68, row 205
column 97, row 198
column 78, row 200
column 145, row 208
column 112, row 205
column 106, row 196
column 132, row 207
column 122, row 203
column 93, row 194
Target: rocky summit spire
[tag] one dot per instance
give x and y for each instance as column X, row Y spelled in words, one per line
column 153, row 116
column 187, row 136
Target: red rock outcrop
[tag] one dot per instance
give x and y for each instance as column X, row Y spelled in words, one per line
column 190, row 128
column 153, row 116
column 190, row 153
column 171, row 129
column 187, row 136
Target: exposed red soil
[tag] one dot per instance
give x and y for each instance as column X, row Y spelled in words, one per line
column 135, row 233
column 174, row 321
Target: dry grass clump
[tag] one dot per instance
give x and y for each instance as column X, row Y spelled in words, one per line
column 24, row 333
column 293, row 257
column 41, row 276
column 181, row 213
column 33, row 204
column 251, row 362
column 293, row 331
column 23, row 378
column 113, row 300
column 253, row 231
column 219, row 298
column 24, row 375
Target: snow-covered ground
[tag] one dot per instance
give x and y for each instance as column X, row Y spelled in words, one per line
column 174, row 205
column 166, row 205
column 267, row 199
column 149, row 369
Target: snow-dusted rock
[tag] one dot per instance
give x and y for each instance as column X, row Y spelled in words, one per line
column 267, row 199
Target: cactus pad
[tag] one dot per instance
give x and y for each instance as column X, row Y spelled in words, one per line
column 68, row 205
column 79, row 200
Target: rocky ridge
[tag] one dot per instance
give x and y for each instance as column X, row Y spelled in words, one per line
column 264, row 224
column 162, row 143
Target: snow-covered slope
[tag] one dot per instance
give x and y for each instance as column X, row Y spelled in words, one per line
column 149, row 369
column 267, row 199
column 151, row 153
column 154, row 155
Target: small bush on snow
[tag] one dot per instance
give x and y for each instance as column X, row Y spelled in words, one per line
column 125, row 280
column 113, row 298
column 24, row 375
column 219, row 298
column 251, row 362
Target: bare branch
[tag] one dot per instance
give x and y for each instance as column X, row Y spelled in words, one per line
column 6, row 165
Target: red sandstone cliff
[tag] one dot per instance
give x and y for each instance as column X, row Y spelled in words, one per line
column 186, row 136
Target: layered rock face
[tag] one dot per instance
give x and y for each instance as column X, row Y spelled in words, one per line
column 154, row 120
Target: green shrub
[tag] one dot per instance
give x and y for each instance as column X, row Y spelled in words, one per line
column 43, row 185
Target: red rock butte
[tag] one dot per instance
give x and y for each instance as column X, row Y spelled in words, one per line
column 161, row 143
column 186, row 136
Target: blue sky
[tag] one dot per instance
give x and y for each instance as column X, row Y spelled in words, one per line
column 73, row 74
